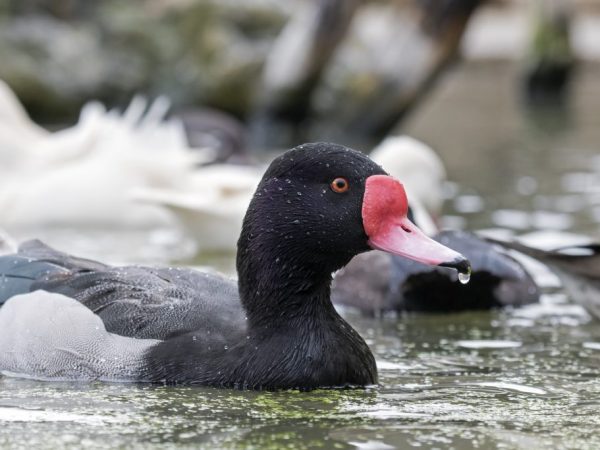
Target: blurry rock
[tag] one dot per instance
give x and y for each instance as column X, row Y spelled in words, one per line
column 329, row 73
column 55, row 67
column 204, row 52
column 393, row 54
column 550, row 60
column 294, row 67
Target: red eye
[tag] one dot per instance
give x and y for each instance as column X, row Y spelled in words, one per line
column 340, row 185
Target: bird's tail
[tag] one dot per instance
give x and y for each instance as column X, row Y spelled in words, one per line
column 34, row 261
column 583, row 260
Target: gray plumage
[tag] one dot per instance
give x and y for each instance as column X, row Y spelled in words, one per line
column 133, row 301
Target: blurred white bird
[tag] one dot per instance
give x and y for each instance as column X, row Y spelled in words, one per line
column 211, row 205
column 81, row 176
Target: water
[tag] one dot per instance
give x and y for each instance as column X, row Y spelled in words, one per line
column 453, row 381
column 523, row 379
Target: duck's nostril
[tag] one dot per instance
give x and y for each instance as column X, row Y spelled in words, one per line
column 405, row 228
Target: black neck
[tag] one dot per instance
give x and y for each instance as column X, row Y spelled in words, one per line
column 289, row 311
column 282, row 287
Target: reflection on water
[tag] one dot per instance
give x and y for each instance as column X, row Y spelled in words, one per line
column 525, row 379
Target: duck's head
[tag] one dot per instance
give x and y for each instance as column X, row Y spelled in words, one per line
column 320, row 204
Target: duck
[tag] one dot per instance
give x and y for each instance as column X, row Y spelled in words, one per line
column 577, row 267
column 210, row 204
column 315, row 208
column 378, row 283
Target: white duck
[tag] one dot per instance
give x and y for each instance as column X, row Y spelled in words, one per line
column 212, row 202
column 211, row 205
column 80, row 177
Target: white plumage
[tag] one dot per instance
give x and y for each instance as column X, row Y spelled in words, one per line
column 51, row 336
column 82, row 176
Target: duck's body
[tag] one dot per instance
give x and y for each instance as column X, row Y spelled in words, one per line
column 316, row 207
column 171, row 325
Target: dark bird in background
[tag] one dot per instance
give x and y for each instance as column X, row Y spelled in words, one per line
column 376, row 282
column 578, row 268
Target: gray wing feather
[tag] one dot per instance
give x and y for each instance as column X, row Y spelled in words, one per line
column 133, row 301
